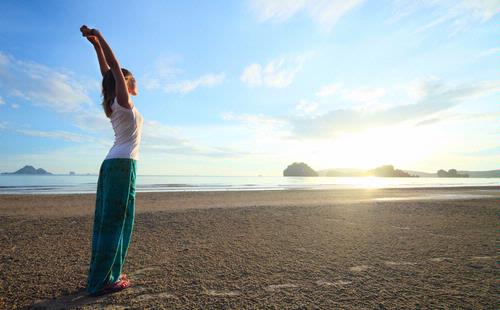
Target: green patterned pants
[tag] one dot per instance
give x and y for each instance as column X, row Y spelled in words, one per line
column 113, row 221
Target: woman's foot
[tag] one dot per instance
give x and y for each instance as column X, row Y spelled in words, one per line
column 114, row 287
column 123, row 276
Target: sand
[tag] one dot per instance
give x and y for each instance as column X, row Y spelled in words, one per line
column 316, row 249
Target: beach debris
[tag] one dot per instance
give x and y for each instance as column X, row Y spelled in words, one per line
column 481, row 257
column 400, row 227
column 391, row 263
column 440, row 259
column 276, row 287
column 222, row 293
column 359, row 268
column 145, row 297
column 336, row 283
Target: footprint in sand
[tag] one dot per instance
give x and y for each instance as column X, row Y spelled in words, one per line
column 481, row 258
column 440, row 259
column 359, row 268
column 222, row 293
column 145, row 297
column 277, row 287
column 135, row 289
column 108, row 307
column 401, row 227
column 391, row 263
column 138, row 274
column 336, row 283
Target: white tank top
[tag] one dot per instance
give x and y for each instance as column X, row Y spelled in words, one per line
column 127, row 125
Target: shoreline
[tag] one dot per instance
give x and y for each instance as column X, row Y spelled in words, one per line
column 250, row 189
column 67, row 205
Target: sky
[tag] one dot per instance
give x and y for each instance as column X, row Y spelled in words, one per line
column 249, row 87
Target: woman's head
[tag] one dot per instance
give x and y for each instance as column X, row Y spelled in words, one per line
column 108, row 88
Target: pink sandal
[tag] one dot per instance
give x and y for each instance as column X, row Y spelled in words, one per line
column 114, row 287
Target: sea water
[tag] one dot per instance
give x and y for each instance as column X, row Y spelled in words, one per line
column 66, row 184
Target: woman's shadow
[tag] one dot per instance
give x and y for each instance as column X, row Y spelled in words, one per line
column 78, row 299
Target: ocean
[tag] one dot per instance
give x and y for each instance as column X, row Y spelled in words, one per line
column 66, row 184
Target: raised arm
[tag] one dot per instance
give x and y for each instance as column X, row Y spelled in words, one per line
column 121, row 90
column 103, row 65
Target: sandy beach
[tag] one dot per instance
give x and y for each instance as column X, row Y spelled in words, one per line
column 303, row 249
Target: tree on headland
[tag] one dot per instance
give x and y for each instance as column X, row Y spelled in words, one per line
column 452, row 173
column 299, row 170
column 389, row 171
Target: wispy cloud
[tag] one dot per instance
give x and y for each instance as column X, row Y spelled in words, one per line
column 255, row 120
column 165, row 74
column 277, row 73
column 2, row 101
column 59, row 134
column 42, row 85
column 459, row 117
column 328, row 90
column 162, row 70
column 306, row 108
column 62, row 93
column 324, row 13
column 364, row 95
column 488, row 52
column 431, row 96
column 207, row 80
column 456, row 15
column 159, row 138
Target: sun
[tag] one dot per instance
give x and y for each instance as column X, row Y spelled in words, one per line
column 401, row 146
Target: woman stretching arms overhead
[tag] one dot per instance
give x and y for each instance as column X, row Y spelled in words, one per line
column 115, row 199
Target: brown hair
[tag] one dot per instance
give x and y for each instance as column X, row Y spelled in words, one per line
column 108, row 89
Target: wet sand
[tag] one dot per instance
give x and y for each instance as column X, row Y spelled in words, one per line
column 328, row 249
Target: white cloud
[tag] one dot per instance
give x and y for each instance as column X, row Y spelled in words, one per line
column 92, row 120
column 431, row 96
column 14, row 106
column 161, row 139
column 252, row 75
column 164, row 74
column 305, row 107
column 364, row 95
column 455, row 15
column 323, row 12
column 2, row 101
column 207, row 80
column 256, row 120
column 488, row 52
column 277, row 73
column 42, row 85
column 161, row 72
column 59, row 134
column 328, row 90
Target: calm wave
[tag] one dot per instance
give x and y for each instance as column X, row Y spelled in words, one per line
column 64, row 184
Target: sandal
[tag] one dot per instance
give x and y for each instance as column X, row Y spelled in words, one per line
column 114, row 287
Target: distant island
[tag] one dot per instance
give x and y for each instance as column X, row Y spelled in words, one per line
column 30, row 170
column 302, row 169
column 387, row 171
column 299, row 170
column 452, row 173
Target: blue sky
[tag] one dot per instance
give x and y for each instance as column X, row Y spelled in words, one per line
column 246, row 88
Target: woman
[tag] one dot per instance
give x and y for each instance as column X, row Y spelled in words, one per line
column 115, row 200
